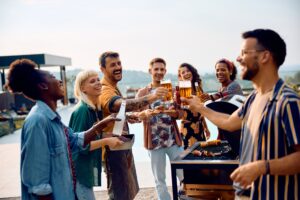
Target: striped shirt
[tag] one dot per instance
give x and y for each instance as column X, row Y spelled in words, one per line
column 279, row 131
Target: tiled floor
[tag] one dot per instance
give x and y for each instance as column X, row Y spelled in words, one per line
column 10, row 170
column 144, row 194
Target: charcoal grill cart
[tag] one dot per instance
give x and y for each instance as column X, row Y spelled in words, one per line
column 205, row 176
column 208, row 177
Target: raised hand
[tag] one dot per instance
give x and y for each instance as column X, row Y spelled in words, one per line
column 133, row 117
column 194, row 103
column 105, row 122
column 204, row 97
column 98, row 127
column 161, row 92
column 145, row 114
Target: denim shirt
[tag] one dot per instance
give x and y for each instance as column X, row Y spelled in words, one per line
column 45, row 166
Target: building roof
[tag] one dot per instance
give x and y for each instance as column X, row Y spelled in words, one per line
column 46, row 60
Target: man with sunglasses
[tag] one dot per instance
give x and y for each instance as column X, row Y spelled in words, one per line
column 269, row 120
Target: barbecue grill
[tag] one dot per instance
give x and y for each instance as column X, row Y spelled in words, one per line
column 206, row 177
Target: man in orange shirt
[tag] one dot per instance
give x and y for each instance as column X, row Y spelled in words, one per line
column 121, row 174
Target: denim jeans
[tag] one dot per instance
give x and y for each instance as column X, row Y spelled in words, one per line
column 83, row 192
column 158, row 165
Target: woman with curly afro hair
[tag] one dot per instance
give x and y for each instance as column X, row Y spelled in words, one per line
column 47, row 145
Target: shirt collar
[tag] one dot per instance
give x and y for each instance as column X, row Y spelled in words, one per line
column 106, row 82
column 277, row 90
column 84, row 104
column 46, row 110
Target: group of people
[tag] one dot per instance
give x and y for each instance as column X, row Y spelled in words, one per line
column 60, row 162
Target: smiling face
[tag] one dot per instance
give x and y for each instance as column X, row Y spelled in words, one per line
column 222, row 72
column 157, row 71
column 112, row 69
column 91, row 86
column 249, row 59
column 185, row 74
column 53, row 86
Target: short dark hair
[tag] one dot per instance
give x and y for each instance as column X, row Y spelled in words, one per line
column 271, row 41
column 102, row 59
column 23, row 77
column 157, row 60
column 231, row 67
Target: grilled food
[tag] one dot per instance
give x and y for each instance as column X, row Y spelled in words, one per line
column 210, row 143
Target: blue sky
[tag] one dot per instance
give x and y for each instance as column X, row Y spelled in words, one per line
column 195, row 31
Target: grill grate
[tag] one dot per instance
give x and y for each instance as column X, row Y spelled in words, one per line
column 225, row 150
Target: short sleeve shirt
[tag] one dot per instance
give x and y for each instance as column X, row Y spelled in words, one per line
column 279, row 131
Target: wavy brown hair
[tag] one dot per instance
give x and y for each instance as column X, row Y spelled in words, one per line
column 193, row 70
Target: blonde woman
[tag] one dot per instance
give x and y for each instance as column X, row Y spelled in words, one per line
column 47, row 145
column 87, row 112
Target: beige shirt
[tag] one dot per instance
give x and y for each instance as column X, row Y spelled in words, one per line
column 255, row 116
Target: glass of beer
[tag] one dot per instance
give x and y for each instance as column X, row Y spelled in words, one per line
column 168, row 85
column 185, row 90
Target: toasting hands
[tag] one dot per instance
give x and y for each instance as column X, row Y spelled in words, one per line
column 161, row 92
column 133, row 117
column 195, row 104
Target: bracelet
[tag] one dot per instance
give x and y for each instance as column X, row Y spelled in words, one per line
column 212, row 98
column 221, row 94
column 267, row 165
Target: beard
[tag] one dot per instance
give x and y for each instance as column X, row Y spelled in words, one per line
column 250, row 72
column 117, row 77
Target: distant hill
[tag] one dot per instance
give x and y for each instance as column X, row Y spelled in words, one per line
column 138, row 79
column 289, row 68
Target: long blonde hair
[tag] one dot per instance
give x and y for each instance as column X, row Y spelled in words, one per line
column 80, row 78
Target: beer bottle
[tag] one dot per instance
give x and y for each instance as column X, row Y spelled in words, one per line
column 198, row 89
column 177, row 101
